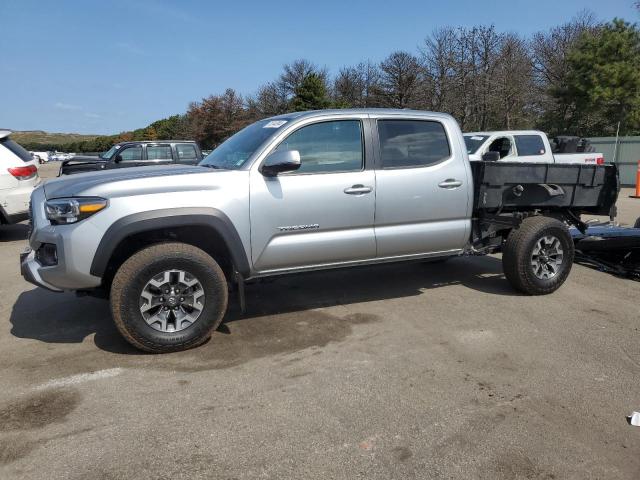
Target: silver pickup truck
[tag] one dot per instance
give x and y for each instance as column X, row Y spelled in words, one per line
column 302, row 191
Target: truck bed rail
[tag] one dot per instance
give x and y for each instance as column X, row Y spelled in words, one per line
column 510, row 187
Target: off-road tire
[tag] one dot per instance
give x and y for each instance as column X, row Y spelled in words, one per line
column 135, row 272
column 518, row 250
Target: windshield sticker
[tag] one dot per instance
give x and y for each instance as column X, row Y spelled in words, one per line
column 275, row 124
column 477, row 138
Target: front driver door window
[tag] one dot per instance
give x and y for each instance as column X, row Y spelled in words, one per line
column 328, row 147
column 130, row 155
column 502, row 145
column 313, row 216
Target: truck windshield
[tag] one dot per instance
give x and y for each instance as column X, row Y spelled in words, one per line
column 234, row 152
column 474, row 142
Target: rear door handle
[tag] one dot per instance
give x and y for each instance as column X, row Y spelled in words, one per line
column 450, row 183
column 357, row 190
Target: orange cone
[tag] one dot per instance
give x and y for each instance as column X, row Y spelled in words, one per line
column 637, row 195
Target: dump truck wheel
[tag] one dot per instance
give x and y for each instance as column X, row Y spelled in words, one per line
column 538, row 255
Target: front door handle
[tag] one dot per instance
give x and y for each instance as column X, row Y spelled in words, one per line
column 450, row 183
column 357, row 190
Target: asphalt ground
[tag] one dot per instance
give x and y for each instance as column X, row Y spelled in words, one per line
column 389, row 372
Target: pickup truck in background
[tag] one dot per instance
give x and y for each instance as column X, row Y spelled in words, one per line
column 298, row 192
column 529, row 146
column 136, row 154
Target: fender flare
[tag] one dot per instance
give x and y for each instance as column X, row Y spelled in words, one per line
column 168, row 218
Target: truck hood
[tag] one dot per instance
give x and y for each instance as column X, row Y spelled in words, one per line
column 132, row 181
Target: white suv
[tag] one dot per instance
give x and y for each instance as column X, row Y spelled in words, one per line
column 18, row 178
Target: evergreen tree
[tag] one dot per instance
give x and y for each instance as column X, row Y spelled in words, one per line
column 311, row 94
column 604, row 80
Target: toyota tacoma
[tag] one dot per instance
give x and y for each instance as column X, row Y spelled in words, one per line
column 297, row 192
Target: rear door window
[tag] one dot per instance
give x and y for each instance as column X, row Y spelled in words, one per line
column 529, row 145
column 412, row 143
column 16, row 149
column 159, row 153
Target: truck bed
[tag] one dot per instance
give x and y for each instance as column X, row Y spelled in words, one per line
column 512, row 187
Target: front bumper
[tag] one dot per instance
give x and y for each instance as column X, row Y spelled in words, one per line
column 71, row 269
column 30, row 270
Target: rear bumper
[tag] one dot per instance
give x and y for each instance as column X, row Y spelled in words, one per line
column 15, row 218
column 14, row 202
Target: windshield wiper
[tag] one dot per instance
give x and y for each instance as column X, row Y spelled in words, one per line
column 210, row 165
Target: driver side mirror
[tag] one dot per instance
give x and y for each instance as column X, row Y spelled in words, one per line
column 491, row 156
column 118, row 158
column 281, row 161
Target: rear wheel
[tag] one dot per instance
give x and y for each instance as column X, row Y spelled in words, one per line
column 168, row 297
column 538, row 255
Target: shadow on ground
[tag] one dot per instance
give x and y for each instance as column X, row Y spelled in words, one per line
column 280, row 310
column 13, row 233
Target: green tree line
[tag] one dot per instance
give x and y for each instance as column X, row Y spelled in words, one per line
column 580, row 78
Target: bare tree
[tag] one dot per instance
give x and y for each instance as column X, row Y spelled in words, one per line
column 550, row 67
column 438, row 60
column 400, row 79
column 271, row 99
column 513, row 97
column 357, row 86
column 460, row 66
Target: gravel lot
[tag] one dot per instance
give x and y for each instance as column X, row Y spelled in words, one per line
column 397, row 371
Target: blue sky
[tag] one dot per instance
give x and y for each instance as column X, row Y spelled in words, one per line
column 107, row 66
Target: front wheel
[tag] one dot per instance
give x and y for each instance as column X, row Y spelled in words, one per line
column 538, row 255
column 168, row 297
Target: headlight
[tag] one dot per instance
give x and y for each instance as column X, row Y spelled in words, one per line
column 62, row 211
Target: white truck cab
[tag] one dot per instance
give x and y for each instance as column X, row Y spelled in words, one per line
column 530, row 146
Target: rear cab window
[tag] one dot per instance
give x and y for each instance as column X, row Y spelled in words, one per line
column 412, row 143
column 16, row 149
column 186, row 152
column 529, row 145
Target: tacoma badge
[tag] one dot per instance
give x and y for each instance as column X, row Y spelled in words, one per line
column 299, row 227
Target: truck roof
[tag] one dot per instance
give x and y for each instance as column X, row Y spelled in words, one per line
column 366, row 111
column 142, row 142
column 507, row 132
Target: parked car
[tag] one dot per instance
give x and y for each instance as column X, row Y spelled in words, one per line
column 302, row 191
column 59, row 156
column 40, row 157
column 521, row 146
column 18, row 177
column 136, row 154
